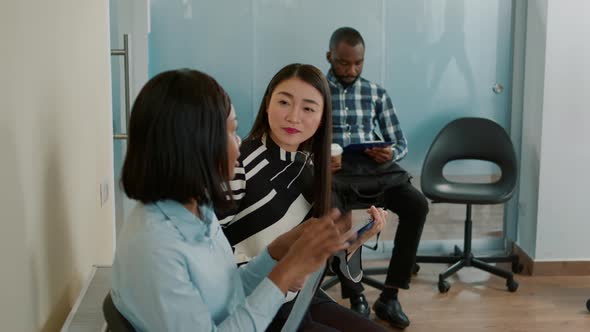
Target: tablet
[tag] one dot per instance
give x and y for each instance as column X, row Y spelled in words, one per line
column 359, row 147
column 302, row 301
column 363, row 226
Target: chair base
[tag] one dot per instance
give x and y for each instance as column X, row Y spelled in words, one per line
column 366, row 279
column 460, row 259
column 465, row 258
column 327, row 284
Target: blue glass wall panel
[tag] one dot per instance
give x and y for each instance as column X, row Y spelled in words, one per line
column 439, row 59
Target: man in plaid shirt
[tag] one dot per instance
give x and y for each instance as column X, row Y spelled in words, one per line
column 360, row 107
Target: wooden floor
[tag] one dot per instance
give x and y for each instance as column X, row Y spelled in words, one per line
column 476, row 300
column 479, row 302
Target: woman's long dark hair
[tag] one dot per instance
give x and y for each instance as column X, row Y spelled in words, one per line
column 319, row 143
column 177, row 146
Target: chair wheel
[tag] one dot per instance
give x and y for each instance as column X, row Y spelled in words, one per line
column 517, row 268
column 512, row 285
column 588, row 304
column 443, row 286
column 415, row 269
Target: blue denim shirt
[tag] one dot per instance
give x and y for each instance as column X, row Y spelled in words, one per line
column 176, row 272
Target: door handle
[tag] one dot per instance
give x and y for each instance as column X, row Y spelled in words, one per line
column 124, row 52
column 498, row 88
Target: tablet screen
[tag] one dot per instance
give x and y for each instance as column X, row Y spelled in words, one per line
column 303, row 300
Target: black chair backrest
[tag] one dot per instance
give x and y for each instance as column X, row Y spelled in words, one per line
column 115, row 321
column 473, row 139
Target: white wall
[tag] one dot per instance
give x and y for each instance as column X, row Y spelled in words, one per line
column 554, row 180
column 563, row 221
column 519, row 26
column 56, row 145
column 532, row 117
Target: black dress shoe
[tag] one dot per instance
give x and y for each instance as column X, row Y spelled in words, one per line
column 359, row 305
column 391, row 311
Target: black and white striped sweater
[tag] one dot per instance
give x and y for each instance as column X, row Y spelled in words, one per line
column 273, row 190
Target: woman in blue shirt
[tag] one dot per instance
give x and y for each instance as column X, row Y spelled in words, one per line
column 173, row 268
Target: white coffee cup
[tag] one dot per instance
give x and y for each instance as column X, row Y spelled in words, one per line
column 335, row 150
column 336, row 157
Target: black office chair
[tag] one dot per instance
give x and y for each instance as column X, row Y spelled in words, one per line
column 116, row 322
column 588, row 304
column 470, row 139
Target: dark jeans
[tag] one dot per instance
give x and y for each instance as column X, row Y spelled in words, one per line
column 411, row 207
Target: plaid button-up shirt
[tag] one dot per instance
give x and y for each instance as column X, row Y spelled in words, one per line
column 359, row 110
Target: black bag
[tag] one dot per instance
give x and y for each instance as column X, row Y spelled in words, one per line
column 362, row 182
